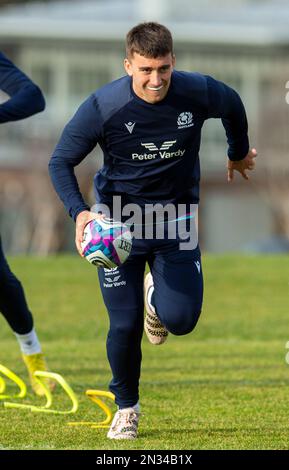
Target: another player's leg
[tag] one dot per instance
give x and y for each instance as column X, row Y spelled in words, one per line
column 14, row 308
column 122, row 290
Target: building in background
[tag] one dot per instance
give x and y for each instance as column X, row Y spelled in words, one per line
column 70, row 48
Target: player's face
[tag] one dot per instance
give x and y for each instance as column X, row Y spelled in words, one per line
column 150, row 77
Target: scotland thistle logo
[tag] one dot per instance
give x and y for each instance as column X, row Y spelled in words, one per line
column 185, row 119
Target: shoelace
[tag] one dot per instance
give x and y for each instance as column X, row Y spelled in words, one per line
column 126, row 418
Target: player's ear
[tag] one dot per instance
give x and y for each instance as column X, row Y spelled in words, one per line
column 127, row 67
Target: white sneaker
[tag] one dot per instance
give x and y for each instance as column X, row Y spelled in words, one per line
column 155, row 330
column 124, row 424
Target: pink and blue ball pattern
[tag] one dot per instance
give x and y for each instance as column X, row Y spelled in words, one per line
column 102, row 240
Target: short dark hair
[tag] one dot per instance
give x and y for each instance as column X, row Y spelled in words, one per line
column 149, row 40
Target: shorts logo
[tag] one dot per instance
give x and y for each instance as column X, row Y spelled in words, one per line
column 115, row 279
column 198, row 265
column 112, row 278
column 185, row 119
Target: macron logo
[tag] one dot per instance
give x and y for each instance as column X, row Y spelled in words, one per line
column 129, row 126
column 198, row 265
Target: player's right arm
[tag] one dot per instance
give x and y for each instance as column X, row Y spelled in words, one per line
column 26, row 98
column 78, row 139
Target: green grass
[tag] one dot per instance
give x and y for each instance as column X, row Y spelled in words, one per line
column 224, row 386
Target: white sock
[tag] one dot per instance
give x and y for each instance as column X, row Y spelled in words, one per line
column 136, row 407
column 28, row 343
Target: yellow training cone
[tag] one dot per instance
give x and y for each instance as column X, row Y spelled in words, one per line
column 10, row 375
column 94, row 395
column 40, row 375
column 68, row 390
column 47, row 394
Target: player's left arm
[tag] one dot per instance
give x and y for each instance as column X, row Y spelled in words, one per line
column 26, row 98
column 225, row 103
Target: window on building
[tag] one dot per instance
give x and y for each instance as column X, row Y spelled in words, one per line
column 83, row 81
column 42, row 76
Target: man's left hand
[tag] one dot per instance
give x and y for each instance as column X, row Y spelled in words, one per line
column 248, row 163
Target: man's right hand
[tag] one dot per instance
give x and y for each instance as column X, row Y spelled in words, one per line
column 81, row 221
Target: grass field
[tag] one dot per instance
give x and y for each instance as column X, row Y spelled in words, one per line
column 224, row 386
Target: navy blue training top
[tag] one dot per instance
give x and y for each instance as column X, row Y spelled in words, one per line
column 26, row 98
column 151, row 151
